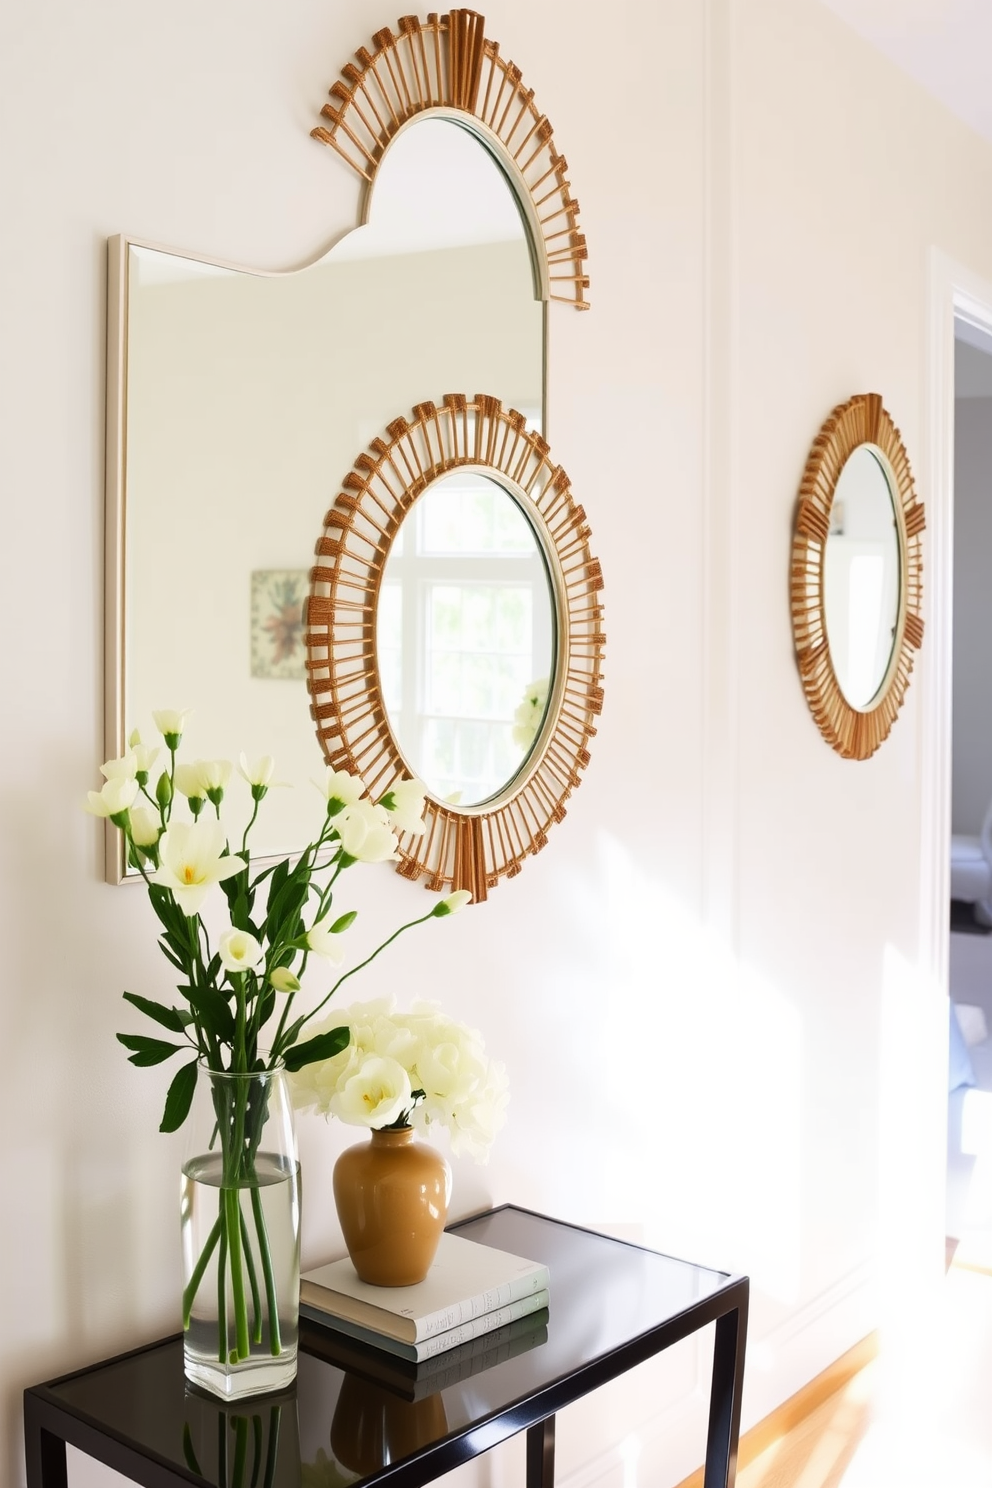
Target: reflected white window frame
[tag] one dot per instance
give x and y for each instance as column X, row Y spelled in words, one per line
column 416, row 571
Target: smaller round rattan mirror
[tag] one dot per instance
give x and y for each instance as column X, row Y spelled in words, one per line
column 857, row 576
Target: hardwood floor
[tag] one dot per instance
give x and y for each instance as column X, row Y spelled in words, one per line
column 916, row 1417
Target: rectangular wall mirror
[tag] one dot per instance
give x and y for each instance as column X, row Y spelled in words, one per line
column 238, row 400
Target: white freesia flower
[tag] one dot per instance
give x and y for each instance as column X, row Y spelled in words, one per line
column 339, row 789
column 453, row 903
column 366, row 834
column 258, row 773
column 324, row 942
column 376, row 1095
column 283, row 980
column 115, row 797
column 189, row 783
column 193, row 858
column 405, row 803
column 145, row 826
column 125, row 768
column 170, row 722
column 240, row 951
column 144, row 758
column 214, row 776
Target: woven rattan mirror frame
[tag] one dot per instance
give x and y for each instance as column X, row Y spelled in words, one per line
column 447, row 66
column 854, row 733
column 470, row 848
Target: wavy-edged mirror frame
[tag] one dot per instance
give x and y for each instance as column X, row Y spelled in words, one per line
column 446, row 65
column 855, row 733
column 471, row 847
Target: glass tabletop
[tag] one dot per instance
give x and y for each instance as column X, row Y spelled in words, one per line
column 356, row 1412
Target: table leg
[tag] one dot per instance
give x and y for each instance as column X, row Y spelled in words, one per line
column 541, row 1454
column 725, row 1399
column 44, row 1453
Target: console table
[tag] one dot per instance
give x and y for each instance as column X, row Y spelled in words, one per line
column 358, row 1416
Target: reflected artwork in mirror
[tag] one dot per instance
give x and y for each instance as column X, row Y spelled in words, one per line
column 857, row 576
column 465, row 638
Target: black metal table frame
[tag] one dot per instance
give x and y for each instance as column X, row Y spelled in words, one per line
column 49, row 1424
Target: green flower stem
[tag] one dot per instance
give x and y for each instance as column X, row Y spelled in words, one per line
column 188, row 1450
column 256, row 1443
column 232, row 1198
column 275, row 1334
column 272, row 1456
column 276, row 1044
column 238, row 1061
column 256, row 1301
column 240, row 1452
column 193, row 1286
column 244, row 839
column 222, row 1286
column 368, row 960
column 242, row 1347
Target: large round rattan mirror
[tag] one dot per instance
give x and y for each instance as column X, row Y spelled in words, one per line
column 857, row 576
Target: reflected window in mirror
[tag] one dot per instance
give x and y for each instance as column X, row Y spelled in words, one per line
column 465, row 638
column 861, row 577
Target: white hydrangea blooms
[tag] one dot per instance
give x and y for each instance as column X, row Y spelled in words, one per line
column 530, row 714
column 413, row 1068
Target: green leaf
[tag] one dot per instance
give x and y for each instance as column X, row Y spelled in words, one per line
column 344, row 922
column 280, row 873
column 211, row 1009
column 170, row 955
column 265, row 1012
column 168, row 1017
column 179, row 1098
column 147, row 1051
column 324, row 1046
column 166, row 908
column 292, row 1032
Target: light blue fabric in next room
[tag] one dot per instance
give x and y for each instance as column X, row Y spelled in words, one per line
column 960, row 1071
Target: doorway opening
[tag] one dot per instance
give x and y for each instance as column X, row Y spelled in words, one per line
column 969, row 1126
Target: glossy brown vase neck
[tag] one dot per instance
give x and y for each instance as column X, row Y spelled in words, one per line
column 392, row 1196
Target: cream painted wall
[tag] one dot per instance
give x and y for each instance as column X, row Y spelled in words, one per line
column 708, row 987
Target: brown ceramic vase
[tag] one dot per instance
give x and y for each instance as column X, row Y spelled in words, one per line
column 392, row 1197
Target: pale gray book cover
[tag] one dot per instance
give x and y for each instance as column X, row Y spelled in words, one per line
column 466, row 1281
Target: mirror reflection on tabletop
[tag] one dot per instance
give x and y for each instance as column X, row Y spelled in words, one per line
column 355, row 1410
column 245, row 399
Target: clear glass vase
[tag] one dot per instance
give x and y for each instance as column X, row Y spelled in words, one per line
column 240, row 1210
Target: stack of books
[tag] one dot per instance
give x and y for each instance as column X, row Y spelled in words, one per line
column 470, row 1291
